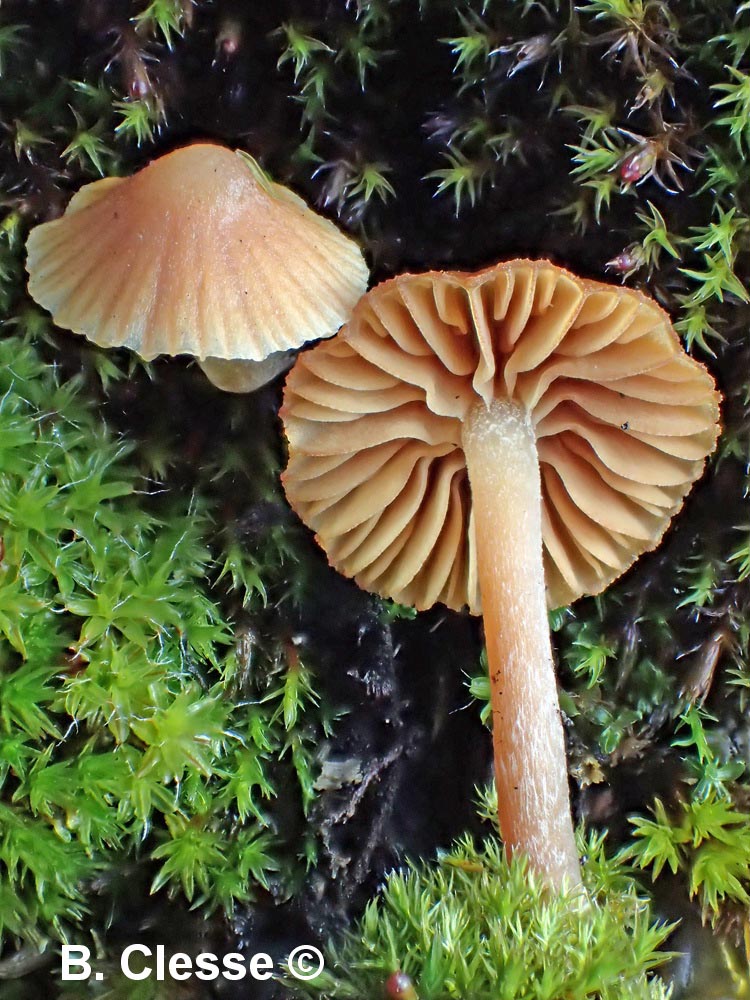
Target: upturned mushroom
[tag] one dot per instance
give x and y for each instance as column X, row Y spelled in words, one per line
column 508, row 440
column 197, row 253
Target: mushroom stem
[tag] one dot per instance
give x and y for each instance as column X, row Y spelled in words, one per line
column 530, row 768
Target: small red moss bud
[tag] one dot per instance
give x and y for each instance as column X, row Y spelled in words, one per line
column 138, row 88
column 229, row 39
column 628, row 261
column 399, row 986
column 638, row 164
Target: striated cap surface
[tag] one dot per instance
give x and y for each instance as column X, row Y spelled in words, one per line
column 198, row 253
column 623, row 417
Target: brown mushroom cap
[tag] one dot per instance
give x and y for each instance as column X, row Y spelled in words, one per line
column 624, row 420
column 198, row 253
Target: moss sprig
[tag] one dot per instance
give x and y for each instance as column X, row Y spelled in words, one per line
column 118, row 729
column 474, row 924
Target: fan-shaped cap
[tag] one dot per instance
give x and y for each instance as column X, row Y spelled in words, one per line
column 198, row 253
column 623, row 418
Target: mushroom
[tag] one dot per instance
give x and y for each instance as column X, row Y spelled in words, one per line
column 508, row 440
column 198, row 253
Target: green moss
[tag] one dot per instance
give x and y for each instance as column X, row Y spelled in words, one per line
column 472, row 924
column 707, row 840
column 119, row 734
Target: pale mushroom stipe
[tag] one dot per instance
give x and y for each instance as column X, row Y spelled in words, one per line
column 508, row 441
column 198, row 253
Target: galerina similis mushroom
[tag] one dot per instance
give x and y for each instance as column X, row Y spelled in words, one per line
column 197, row 253
column 508, row 440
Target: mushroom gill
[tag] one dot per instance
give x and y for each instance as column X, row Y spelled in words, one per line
column 623, row 420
